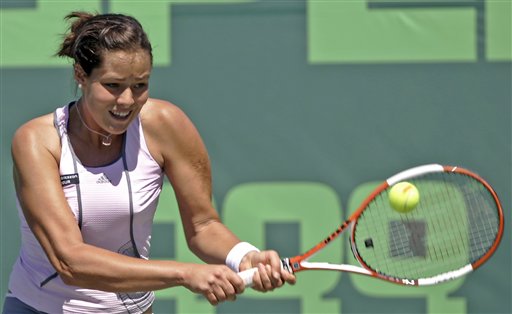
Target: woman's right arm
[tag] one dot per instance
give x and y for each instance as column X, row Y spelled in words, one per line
column 36, row 153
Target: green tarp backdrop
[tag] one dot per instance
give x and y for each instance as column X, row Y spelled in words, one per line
column 303, row 106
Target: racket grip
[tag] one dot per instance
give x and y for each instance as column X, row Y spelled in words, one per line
column 248, row 274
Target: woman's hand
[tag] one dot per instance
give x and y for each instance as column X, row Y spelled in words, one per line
column 217, row 283
column 270, row 274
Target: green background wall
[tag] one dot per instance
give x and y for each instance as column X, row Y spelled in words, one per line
column 302, row 105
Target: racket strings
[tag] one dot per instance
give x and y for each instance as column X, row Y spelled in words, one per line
column 484, row 221
column 455, row 224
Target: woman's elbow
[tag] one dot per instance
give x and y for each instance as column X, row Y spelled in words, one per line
column 68, row 269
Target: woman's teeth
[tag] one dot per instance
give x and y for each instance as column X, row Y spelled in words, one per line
column 120, row 114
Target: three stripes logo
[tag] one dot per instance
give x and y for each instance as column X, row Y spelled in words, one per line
column 103, row 179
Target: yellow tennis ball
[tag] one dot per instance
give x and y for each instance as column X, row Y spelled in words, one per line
column 403, row 197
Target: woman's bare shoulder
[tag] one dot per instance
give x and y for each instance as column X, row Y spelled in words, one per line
column 168, row 130
column 37, row 134
column 160, row 114
column 160, row 109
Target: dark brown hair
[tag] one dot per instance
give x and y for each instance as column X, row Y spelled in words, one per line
column 90, row 35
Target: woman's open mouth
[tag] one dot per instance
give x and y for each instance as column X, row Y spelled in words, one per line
column 120, row 115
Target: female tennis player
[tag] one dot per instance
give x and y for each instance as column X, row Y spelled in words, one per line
column 88, row 178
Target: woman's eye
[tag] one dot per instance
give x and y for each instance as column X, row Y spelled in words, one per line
column 111, row 85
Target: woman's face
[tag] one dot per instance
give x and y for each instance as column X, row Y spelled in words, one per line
column 114, row 93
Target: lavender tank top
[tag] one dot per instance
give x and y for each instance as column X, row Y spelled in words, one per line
column 114, row 206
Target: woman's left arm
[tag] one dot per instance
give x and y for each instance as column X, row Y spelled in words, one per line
column 176, row 144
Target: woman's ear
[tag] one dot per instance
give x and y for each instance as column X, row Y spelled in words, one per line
column 79, row 75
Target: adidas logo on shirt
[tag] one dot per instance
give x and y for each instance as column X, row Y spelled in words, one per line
column 103, row 179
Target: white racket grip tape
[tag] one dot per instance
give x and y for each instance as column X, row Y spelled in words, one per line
column 248, row 274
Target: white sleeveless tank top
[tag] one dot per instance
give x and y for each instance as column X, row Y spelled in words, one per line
column 114, row 206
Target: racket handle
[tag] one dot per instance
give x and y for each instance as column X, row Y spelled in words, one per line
column 248, row 274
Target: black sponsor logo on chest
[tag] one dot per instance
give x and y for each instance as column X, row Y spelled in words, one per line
column 68, row 179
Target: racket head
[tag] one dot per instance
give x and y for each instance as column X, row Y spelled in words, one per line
column 455, row 228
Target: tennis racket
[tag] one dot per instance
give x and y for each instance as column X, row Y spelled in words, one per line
column 455, row 228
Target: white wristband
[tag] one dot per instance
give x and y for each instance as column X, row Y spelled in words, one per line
column 237, row 253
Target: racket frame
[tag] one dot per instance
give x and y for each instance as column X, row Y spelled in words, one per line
column 300, row 262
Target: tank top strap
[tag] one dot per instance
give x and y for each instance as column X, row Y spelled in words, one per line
column 68, row 166
column 60, row 119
